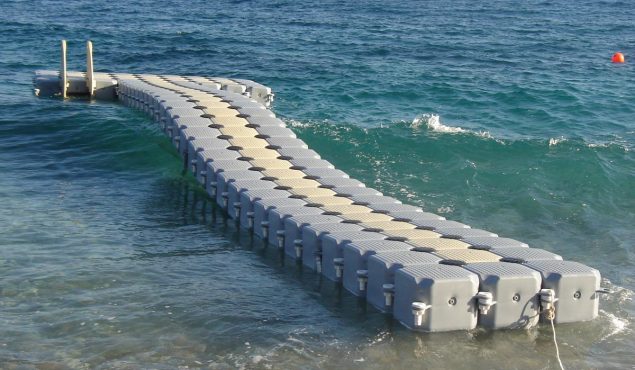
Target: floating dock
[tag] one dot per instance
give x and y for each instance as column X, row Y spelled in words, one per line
column 430, row 273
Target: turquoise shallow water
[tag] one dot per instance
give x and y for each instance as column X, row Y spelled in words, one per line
column 505, row 116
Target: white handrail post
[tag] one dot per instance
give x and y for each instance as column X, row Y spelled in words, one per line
column 63, row 76
column 90, row 74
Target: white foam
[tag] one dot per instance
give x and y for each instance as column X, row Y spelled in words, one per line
column 433, row 123
column 618, row 325
column 598, row 145
column 380, row 337
column 445, row 209
column 555, row 141
column 620, row 144
column 620, row 296
column 295, row 123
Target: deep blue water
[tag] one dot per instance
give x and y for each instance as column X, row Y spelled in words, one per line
column 505, row 115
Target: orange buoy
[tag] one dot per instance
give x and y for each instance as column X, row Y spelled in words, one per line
column 618, row 58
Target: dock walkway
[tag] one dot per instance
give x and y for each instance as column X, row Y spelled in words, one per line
column 430, row 273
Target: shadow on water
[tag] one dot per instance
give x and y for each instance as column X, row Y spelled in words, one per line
column 186, row 201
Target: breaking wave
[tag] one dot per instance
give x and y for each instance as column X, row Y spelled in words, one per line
column 433, row 123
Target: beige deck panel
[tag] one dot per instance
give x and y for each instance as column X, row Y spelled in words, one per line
column 176, row 89
column 174, row 78
column 153, row 80
column 248, row 142
column 259, row 153
column 210, row 101
column 367, row 217
column 201, row 95
column 312, row 192
column 388, row 225
column 204, row 81
column 184, row 90
column 271, row 164
column 347, row 209
column 171, row 88
column 329, row 200
column 224, row 81
column 161, row 84
column 240, row 131
column 298, row 183
column 125, row 76
column 468, row 255
column 213, row 105
column 229, row 120
column 413, row 234
column 439, row 243
column 206, row 96
column 221, row 112
column 196, row 78
column 101, row 75
column 164, row 82
column 284, row 173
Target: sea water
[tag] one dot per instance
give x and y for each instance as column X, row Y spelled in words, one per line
column 504, row 115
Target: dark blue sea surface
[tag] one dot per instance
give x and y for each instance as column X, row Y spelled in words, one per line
column 504, row 115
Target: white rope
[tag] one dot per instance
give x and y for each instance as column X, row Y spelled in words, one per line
column 555, row 342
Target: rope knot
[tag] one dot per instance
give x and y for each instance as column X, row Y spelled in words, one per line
column 550, row 313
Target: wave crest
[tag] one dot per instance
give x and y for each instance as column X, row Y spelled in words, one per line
column 433, row 123
column 556, row 140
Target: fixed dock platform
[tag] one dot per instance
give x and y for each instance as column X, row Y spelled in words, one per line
column 430, row 273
